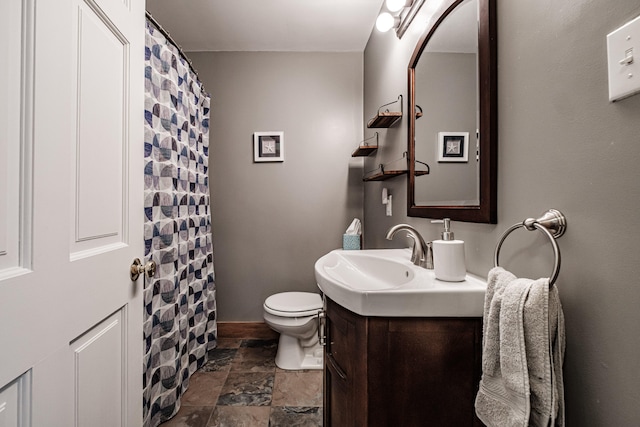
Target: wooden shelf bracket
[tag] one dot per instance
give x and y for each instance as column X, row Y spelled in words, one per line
column 383, row 172
column 364, row 149
column 386, row 118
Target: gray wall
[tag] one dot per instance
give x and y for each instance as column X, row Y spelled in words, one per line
column 272, row 221
column 561, row 145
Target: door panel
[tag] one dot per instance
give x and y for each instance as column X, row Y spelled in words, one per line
column 99, row 356
column 101, row 112
column 72, row 209
column 16, row 56
column 9, row 405
column 10, row 33
column 15, row 403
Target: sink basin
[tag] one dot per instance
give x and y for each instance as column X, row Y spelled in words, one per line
column 384, row 282
column 366, row 272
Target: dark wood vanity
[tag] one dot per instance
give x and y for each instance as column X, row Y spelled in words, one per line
column 394, row 371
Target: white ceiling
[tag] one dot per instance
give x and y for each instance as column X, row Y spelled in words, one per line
column 268, row 25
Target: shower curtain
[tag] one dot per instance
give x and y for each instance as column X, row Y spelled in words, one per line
column 180, row 306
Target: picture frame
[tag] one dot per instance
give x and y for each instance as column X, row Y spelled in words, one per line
column 268, row 146
column 453, row 147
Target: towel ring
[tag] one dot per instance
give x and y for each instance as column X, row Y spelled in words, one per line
column 553, row 224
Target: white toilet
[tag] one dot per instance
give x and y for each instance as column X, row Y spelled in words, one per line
column 295, row 316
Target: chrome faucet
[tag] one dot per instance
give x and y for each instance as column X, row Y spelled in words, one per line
column 422, row 254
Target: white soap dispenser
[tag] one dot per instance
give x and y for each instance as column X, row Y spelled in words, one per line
column 448, row 255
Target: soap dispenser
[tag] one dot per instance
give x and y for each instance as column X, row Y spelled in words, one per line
column 448, row 255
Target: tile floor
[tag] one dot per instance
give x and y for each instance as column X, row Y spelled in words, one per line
column 241, row 386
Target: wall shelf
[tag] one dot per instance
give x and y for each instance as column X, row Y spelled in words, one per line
column 365, row 149
column 384, row 175
column 386, row 118
column 381, row 174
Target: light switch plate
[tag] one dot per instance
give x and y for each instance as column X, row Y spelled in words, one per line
column 623, row 57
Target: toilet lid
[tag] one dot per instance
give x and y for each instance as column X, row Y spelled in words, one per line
column 294, row 302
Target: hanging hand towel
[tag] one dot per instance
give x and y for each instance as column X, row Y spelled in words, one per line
column 523, row 348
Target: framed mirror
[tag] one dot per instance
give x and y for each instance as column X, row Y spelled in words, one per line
column 453, row 115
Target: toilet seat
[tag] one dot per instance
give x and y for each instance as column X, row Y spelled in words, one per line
column 293, row 304
column 294, row 315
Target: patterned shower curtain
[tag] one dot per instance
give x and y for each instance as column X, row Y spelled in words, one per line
column 180, row 307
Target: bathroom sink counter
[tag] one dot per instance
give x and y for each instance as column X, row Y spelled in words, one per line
column 385, row 283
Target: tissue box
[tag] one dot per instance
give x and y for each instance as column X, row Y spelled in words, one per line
column 351, row 241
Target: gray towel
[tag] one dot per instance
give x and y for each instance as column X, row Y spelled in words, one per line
column 522, row 355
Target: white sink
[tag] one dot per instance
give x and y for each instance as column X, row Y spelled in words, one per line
column 384, row 282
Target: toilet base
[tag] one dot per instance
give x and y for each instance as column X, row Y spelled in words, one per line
column 291, row 356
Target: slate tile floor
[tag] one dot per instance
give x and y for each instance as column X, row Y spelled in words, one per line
column 240, row 385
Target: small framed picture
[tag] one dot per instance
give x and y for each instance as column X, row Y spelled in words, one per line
column 453, row 146
column 268, row 146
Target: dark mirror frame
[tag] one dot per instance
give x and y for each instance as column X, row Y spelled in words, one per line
column 486, row 212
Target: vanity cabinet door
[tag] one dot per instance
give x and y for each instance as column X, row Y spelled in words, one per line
column 341, row 332
column 436, row 371
column 345, row 385
column 337, row 407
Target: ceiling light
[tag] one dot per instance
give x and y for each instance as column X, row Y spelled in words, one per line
column 402, row 13
column 395, row 5
column 386, row 21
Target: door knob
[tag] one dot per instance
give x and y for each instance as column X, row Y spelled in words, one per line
column 137, row 269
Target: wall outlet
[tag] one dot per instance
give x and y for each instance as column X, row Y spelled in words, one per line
column 623, row 57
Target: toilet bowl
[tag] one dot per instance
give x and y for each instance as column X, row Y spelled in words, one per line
column 295, row 316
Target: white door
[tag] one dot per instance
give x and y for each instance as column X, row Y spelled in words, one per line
column 71, row 212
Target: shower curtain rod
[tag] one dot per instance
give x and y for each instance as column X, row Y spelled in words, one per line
column 166, row 34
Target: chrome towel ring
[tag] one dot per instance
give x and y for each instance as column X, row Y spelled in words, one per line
column 553, row 224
